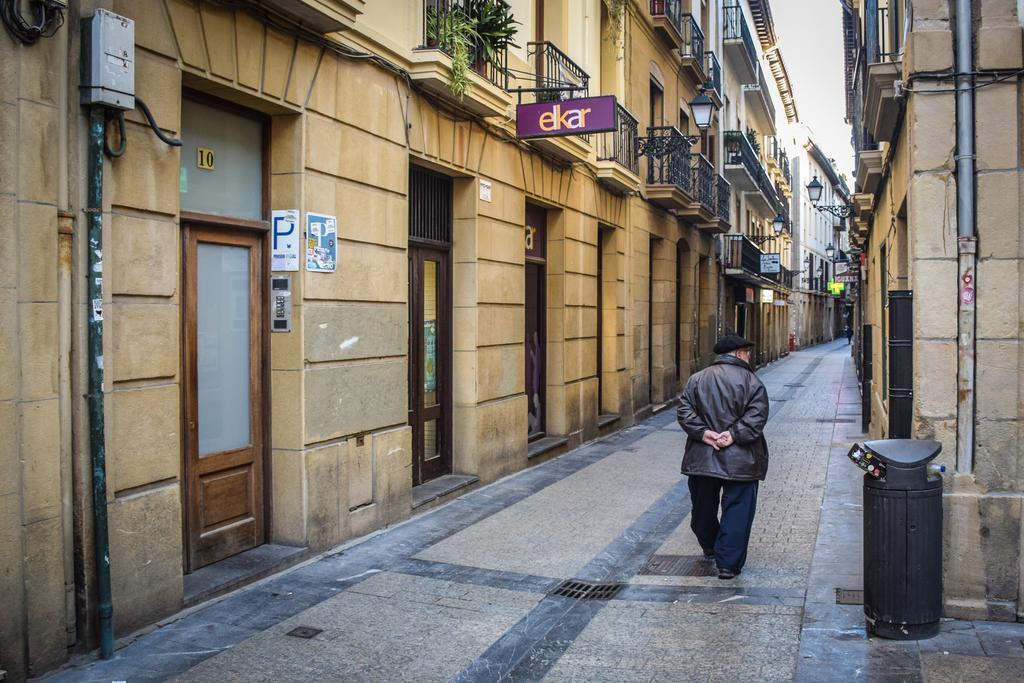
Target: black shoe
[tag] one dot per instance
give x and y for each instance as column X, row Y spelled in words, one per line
column 708, row 553
column 727, row 573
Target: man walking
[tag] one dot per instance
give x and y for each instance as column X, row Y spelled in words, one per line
column 723, row 411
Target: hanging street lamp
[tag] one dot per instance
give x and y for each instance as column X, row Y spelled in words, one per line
column 814, row 189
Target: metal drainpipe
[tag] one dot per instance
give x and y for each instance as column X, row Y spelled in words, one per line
column 97, row 447
column 967, row 240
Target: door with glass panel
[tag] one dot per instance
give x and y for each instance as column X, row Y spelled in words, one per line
column 223, row 397
column 429, row 363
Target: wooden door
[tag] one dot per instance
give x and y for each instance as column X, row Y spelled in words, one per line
column 429, row 362
column 223, row 393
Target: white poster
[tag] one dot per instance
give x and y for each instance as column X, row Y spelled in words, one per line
column 286, row 238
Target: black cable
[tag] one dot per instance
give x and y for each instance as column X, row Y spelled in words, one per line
column 141, row 106
column 117, row 115
column 48, row 20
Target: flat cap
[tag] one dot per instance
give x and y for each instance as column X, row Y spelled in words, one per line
column 732, row 342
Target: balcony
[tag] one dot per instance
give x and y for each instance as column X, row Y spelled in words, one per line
column 669, row 167
column 554, row 76
column 759, row 102
column 778, row 164
column 723, row 201
column 322, row 16
column 869, row 169
column 618, row 164
column 667, row 16
column 431, row 63
column 693, row 50
column 713, row 84
column 744, row 170
column 701, row 211
column 741, row 259
column 712, row 193
column 739, row 44
column 881, row 110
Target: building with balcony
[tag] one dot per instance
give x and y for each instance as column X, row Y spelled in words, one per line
column 464, row 302
column 754, row 304
column 938, row 216
column 817, row 315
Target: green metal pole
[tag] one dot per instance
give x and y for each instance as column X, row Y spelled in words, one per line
column 97, row 447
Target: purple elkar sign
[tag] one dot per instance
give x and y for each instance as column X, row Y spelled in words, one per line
column 566, row 117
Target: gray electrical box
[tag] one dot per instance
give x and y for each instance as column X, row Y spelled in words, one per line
column 108, row 60
column 281, row 303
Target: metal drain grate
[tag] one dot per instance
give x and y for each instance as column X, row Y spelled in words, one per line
column 306, row 632
column 849, row 596
column 680, row 565
column 587, row 590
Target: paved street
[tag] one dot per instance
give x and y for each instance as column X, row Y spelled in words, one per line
column 462, row 592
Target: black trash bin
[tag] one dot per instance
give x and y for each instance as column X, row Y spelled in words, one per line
column 902, row 537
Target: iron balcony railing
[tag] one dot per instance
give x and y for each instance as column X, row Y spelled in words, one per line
column 783, row 205
column 736, row 29
column 723, row 197
column 693, row 39
column 890, row 34
column 760, row 85
column 704, row 182
column 713, row 69
column 739, row 151
column 556, row 76
column 775, row 151
column 439, row 17
column 739, row 253
column 668, row 158
column 670, row 9
column 620, row 145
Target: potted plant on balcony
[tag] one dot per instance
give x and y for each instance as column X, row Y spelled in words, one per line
column 452, row 30
column 495, row 27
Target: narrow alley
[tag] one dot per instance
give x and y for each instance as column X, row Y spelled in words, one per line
column 464, row 592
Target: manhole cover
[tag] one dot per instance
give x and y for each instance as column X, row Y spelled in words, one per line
column 680, row 565
column 587, row 590
column 849, row 596
column 306, row 632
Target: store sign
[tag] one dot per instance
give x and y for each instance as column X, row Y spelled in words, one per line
column 770, row 264
column 842, row 267
column 566, row 117
column 846, row 278
column 750, row 295
column 767, row 296
column 835, row 288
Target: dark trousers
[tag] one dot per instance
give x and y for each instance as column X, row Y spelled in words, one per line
column 727, row 536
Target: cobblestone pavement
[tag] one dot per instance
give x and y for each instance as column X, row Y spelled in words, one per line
column 464, row 592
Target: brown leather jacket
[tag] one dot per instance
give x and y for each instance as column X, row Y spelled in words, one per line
column 725, row 396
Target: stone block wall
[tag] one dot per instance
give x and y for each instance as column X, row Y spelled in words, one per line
column 36, row 574
column 984, row 562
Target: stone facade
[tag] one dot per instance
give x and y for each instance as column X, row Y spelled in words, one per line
column 908, row 228
column 341, row 134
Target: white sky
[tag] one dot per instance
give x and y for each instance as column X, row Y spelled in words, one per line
column 811, row 39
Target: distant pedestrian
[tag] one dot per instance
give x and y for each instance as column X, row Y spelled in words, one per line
column 849, row 335
column 723, row 411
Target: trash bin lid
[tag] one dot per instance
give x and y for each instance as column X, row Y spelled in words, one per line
column 904, row 453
